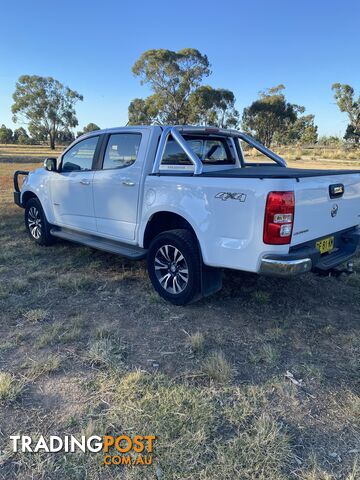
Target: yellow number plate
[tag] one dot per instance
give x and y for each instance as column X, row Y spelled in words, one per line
column 325, row 245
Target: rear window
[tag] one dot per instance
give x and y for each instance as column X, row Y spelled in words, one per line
column 211, row 151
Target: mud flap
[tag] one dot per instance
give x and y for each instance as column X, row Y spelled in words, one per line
column 211, row 280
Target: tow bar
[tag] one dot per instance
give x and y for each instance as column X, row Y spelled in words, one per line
column 336, row 272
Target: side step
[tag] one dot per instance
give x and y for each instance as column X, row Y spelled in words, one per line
column 124, row 249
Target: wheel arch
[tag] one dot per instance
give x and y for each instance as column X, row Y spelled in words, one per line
column 26, row 197
column 162, row 221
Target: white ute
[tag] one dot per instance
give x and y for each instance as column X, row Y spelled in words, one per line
column 188, row 199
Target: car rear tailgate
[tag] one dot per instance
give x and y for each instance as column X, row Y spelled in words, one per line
column 324, row 205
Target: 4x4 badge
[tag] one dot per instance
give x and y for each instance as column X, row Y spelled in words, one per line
column 241, row 197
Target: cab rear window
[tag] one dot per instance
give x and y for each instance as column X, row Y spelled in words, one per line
column 210, row 150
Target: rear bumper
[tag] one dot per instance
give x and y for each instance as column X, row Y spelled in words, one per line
column 306, row 257
column 283, row 267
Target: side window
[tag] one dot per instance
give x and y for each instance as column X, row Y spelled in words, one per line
column 80, row 156
column 122, row 150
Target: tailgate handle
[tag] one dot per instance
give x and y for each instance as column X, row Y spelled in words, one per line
column 337, row 190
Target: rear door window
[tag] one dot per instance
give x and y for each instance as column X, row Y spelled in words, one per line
column 122, row 150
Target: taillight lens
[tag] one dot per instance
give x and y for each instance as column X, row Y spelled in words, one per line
column 279, row 218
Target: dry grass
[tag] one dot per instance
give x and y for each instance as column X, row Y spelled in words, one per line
column 36, row 315
column 312, row 157
column 10, row 388
column 106, row 352
column 35, row 368
column 27, row 153
column 217, row 368
column 197, row 342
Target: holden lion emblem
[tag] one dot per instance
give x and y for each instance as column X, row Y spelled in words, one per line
column 334, row 210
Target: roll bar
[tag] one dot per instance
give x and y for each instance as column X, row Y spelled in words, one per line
column 180, row 140
column 176, row 133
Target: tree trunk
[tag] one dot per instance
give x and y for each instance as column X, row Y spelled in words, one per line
column 52, row 141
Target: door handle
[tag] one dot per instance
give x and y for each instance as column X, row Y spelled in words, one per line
column 128, row 183
column 85, row 182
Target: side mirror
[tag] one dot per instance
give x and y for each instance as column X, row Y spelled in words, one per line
column 50, row 164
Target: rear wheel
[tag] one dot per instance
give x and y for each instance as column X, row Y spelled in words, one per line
column 174, row 266
column 36, row 224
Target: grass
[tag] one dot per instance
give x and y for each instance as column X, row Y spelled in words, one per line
column 217, row 368
column 106, row 352
column 266, row 354
column 39, row 367
column 197, row 342
column 27, row 153
column 36, row 315
column 313, row 156
column 10, row 388
column 100, row 353
column 62, row 332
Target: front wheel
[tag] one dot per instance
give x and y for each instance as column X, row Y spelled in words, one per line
column 173, row 263
column 36, row 223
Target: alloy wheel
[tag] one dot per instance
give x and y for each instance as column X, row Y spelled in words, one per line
column 34, row 222
column 171, row 269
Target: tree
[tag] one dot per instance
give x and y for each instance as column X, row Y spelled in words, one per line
column 38, row 134
column 330, row 141
column 65, row 137
column 303, row 130
column 143, row 112
column 21, row 136
column 309, row 135
column 178, row 97
column 345, row 99
column 172, row 76
column 269, row 114
column 209, row 106
column 6, row 134
column 272, row 119
column 46, row 104
column 351, row 134
column 90, row 127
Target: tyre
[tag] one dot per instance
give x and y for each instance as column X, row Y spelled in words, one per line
column 174, row 263
column 36, row 224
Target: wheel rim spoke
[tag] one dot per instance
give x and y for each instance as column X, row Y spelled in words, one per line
column 176, row 286
column 178, row 256
column 159, row 265
column 165, row 252
column 184, row 277
column 164, row 280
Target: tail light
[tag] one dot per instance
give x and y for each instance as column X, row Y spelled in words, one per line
column 279, row 218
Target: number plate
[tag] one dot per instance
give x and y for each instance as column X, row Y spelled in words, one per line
column 325, row 245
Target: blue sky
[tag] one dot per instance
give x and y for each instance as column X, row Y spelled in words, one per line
column 91, row 46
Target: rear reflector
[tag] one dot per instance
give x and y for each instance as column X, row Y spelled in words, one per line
column 279, row 218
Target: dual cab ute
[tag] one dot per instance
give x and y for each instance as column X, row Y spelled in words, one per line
column 189, row 201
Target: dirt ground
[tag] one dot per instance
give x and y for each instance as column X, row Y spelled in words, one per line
column 87, row 346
